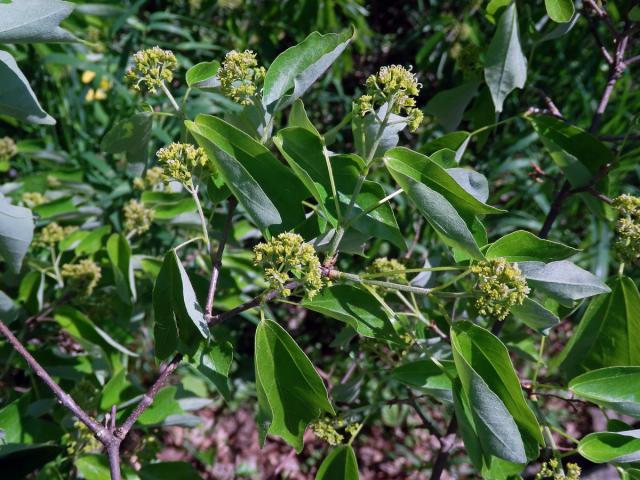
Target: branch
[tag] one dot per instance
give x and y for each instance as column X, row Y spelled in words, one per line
column 147, row 399
column 100, row 432
column 446, row 443
column 216, row 262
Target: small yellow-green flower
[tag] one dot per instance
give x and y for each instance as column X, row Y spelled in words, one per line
column 152, row 180
column 137, row 217
column 179, row 160
column 287, row 257
column 53, row 233
column 393, row 269
column 8, row 150
column 553, row 470
column 240, row 76
column 324, row 429
column 628, row 228
column 396, row 85
column 82, row 277
column 33, row 199
column 502, row 285
column 152, row 67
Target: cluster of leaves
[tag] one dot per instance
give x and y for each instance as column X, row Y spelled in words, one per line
column 215, row 194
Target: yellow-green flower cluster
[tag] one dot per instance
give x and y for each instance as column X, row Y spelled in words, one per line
column 82, row 277
column 152, row 67
column 53, row 233
column 240, row 76
column 502, row 285
column 152, row 180
column 286, row 258
column 326, row 428
column 469, row 62
column 179, row 160
column 553, row 470
column 397, row 86
column 137, row 217
column 7, row 148
column 33, row 199
column 628, row 228
column 393, row 269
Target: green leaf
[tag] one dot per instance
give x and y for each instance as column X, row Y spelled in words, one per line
column 607, row 334
column 448, row 106
column 92, row 243
column 579, row 154
column 8, row 309
column 112, row 393
column 179, row 321
column 16, row 233
column 203, row 75
column 616, row 388
column 446, row 205
column 562, row 280
column 365, row 131
column 168, row 205
column 93, row 467
column 560, row 11
column 298, row 67
column 129, row 135
column 503, row 420
column 534, row 315
column 357, row 308
column 163, row 405
column 505, row 65
column 522, row 246
column 290, row 391
column 31, row 21
column 425, row 375
column 169, row 471
column 55, row 208
column 16, row 97
column 298, row 118
column 269, row 192
column 340, row 464
column 119, row 253
column 604, row 447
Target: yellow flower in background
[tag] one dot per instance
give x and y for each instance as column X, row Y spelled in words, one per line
column 87, row 76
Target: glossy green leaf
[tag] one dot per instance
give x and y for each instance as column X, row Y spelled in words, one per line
column 448, row 106
column 298, row 67
column 562, row 280
column 290, row 391
column 298, row 118
column 112, row 393
column 93, row 467
column 522, row 246
column 607, row 334
column 578, row 153
column 425, row 375
column 55, row 208
column 536, row 316
column 179, row 321
column 604, row 447
column 163, row 406
column 8, row 309
column 16, row 97
column 505, row 64
column 616, row 388
column 503, row 420
column 94, row 241
column 129, row 135
column 340, row 464
column 203, row 75
column 119, row 253
column 560, row 11
column 16, row 233
column 269, row 192
column 357, row 308
column 31, row 21
column 366, row 129
column 168, row 205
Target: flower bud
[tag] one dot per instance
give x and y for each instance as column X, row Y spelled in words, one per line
column 151, row 68
column 137, row 218
column 82, row 277
column 240, row 76
column 502, row 285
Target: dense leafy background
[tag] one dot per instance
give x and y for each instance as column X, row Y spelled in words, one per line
column 102, row 348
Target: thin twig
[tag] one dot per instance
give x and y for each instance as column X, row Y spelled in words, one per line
column 446, row 443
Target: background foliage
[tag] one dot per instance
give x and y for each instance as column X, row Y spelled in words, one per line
column 516, row 146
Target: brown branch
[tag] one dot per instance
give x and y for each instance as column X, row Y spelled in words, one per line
column 216, row 262
column 147, row 399
column 426, row 422
column 446, row 443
